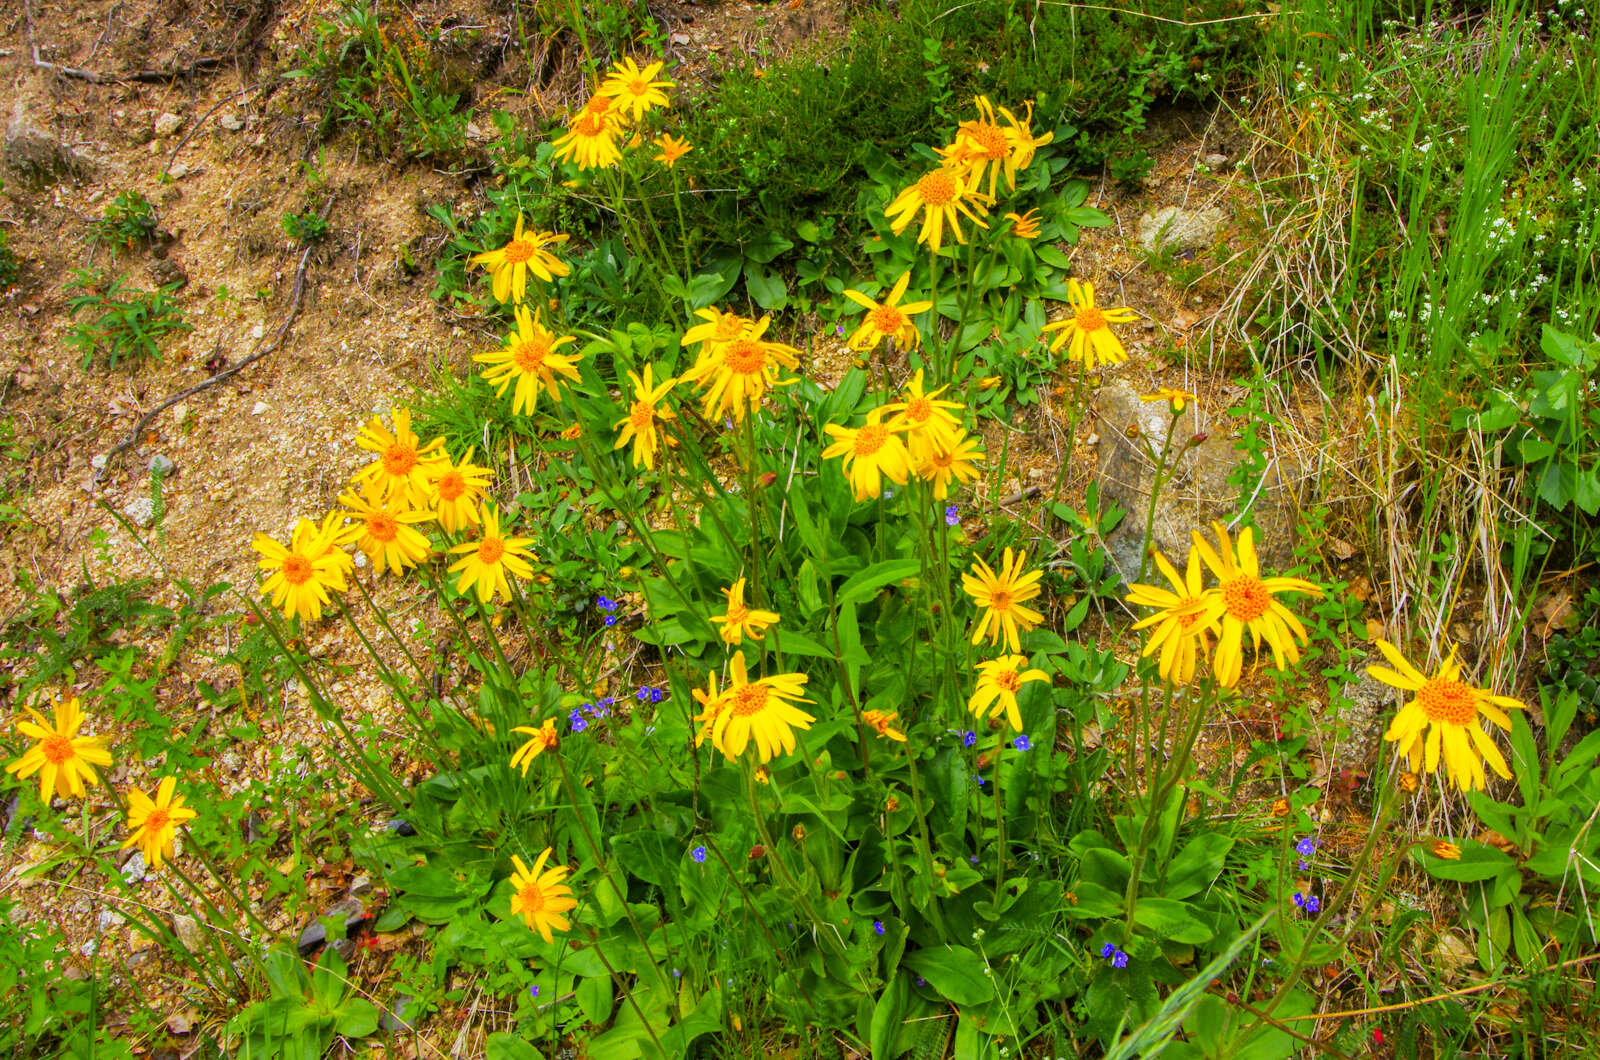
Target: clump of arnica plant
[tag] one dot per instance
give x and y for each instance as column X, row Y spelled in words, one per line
column 728, row 700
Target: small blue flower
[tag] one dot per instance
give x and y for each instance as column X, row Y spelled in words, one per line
column 605, row 603
column 1309, row 902
column 657, row 695
column 877, row 925
column 533, row 992
column 968, row 738
column 921, row 981
column 952, row 516
column 610, row 620
column 579, row 722
column 1306, row 847
column 980, row 780
column 1304, row 864
column 1108, row 949
column 699, row 854
column 839, row 330
column 676, row 974
column 973, row 859
column 1119, row 960
column 643, row 693
column 1021, row 742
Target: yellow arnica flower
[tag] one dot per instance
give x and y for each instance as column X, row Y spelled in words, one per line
column 540, row 740
column 870, row 452
column 383, row 529
column 986, row 144
column 541, row 899
column 1181, row 629
column 740, row 620
column 454, row 491
column 1176, row 399
column 740, row 372
column 153, row 823
column 671, row 150
column 639, row 426
column 634, row 89
column 303, row 573
column 403, row 460
column 1002, row 596
column 510, row 265
column 591, row 140
column 998, row 683
column 489, row 559
column 529, row 358
column 1441, row 720
column 718, row 330
column 943, row 196
column 888, row 319
column 763, row 710
column 1244, row 600
column 1025, row 225
column 64, row 760
column 958, row 462
column 1089, row 329
column 882, row 724
column 929, row 423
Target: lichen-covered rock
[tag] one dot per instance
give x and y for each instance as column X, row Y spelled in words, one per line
column 33, row 158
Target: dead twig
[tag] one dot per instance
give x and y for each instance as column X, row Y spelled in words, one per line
column 296, row 300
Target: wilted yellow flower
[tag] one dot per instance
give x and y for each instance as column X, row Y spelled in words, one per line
column 1441, row 720
column 1002, row 596
column 740, row 620
column 881, row 723
column 528, row 359
column 403, row 462
column 763, row 710
column 634, row 89
column 999, row 681
column 1447, row 851
column 303, row 573
column 540, row 740
column 944, row 196
column 738, row 373
column 888, row 320
column 153, row 823
column 490, row 558
column 454, row 491
column 1245, row 601
column 1176, row 399
column 510, row 265
column 384, row 530
column 1182, row 631
column 671, row 150
column 541, row 899
column 639, row 426
column 1089, row 329
column 1026, row 225
column 870, row 452
column 64, row 760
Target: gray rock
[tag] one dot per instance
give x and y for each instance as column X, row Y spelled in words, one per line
column 1196, row 492
column 109, row 919
column 231, row 121
column 98, row 461
column 133, row 869
column 178, row 171
column 1173, row 226
column 167, row 124
column 315, row 933
column 161, row 464
column 1364, row 707
column 361, row 886
column 165, row 271
column 187, row 928
column 33, row 158
column 401, row 1015
column 141, row 511
column 1217, row 162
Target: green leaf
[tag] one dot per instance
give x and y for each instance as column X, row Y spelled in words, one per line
column 865, row 585
column 888, row 1015
column 958, row 974
column 503, row 1046
column 1197, row 864
column 596, row 998
column 358, row 1018
column 1171, row 920
column 765, row 247
column 767, row 289
column 1478, row 862
column 651, row 856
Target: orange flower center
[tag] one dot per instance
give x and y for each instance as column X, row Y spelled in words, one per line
column 919, row 409
column 887, row 319
column 638, row 86
column 749, row 699
column 737, row 613
column 158, row 820
column 943, row 461
column 1447, row 701
column 990, row 139
column 1009, row 681
column 382, row 526
column 1000, row 600
column 598, row 104
column 745, row 357
column 870, row 439
column 399, row 459
column 518, row 251
column 529, row 356
column 590, row 124
column 938, row 188
column 296, row 570
column 728, row 327
column 451, row 485
column 1246, row 597
column 57, row 749
column 641, row 415
column 490, row 549
column 532, row 898
column 1090, row 319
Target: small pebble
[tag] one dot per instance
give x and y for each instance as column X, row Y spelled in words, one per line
column 98, row 461
column 258, row 408
column 231, row 121
column 168, row 124
column 141, row 511
column 161, row 464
